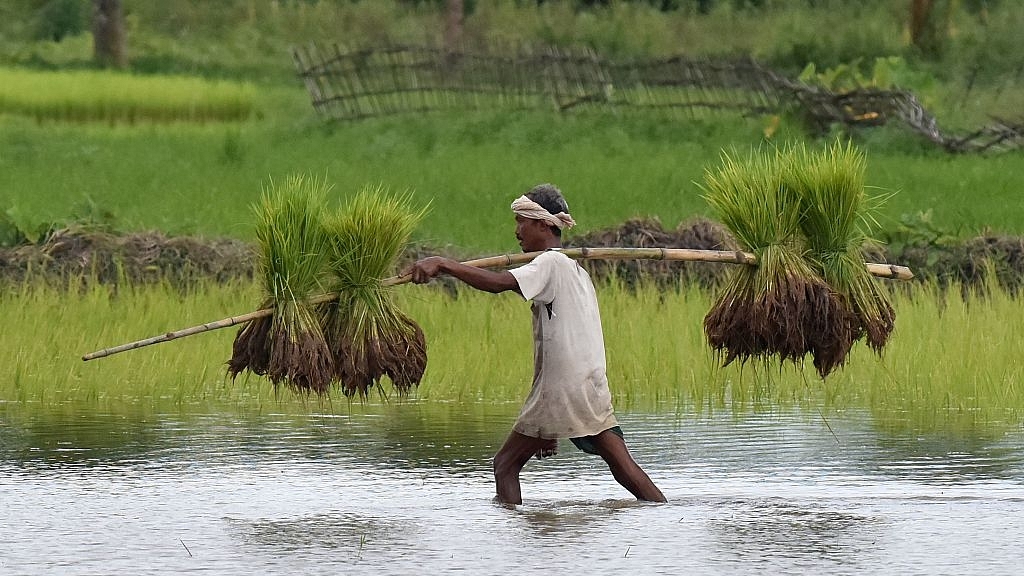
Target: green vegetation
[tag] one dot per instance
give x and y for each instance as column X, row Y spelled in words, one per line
column 289, row 346
column 614, row 165
column 837, row 221
column 776, row 307
column 807, row 218
column 201, row 179
column 149, row 149
column 369, row 334
column 479, row 348
column 307, row 249
column 102, row 96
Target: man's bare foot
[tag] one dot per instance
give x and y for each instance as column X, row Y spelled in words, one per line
column 499, row 502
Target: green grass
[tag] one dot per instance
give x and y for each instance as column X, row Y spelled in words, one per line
column 612, row 164
column 948, row 360
column 44, row 353
column 187, row 179
column 111, row 97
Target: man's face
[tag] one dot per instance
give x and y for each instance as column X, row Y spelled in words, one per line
column 533, row 235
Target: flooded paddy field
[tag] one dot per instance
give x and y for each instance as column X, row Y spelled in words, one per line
column 406, row 489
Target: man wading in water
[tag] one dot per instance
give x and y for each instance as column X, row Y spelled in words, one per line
column 570, row 396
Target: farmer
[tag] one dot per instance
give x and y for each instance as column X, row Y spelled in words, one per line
column 570, row 396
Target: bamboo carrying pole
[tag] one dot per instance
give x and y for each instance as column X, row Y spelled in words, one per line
column 676, row 254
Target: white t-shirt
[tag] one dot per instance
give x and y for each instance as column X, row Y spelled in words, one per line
column 570, row 396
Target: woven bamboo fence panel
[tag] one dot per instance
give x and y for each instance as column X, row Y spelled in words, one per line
column 352, row 84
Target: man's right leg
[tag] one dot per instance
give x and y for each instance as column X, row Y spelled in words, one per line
column 510, row 460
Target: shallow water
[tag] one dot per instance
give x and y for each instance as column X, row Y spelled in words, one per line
column 407, row 490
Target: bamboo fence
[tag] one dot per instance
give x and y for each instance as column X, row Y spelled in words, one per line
column 351, row 84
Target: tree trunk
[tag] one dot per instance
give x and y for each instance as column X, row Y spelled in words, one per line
column 454, row 15
column 920, row 10
column 108, row 34
column 930, row 23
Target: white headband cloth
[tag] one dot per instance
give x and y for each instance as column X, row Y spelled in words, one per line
column 527, row 208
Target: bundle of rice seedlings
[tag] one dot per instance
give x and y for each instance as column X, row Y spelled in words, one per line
column 293, row 254
column 836, row 220
column 764, row 310
column 368, row 335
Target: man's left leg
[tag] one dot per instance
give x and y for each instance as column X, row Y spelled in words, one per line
column 510, row 460
column 612, row 448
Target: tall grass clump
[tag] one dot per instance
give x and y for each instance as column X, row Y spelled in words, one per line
column 806, row 216
column 294, row 251
column 112, row 97
column 837, row 217
column 369, row 336
column 781, row 306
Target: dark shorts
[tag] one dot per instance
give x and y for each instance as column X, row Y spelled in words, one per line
column 586, row 443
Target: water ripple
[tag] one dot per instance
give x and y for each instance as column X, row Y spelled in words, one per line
column 408, row 491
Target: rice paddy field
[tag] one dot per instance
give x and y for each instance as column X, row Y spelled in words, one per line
column 950, row 362
column 908, row 461
column 108, row 97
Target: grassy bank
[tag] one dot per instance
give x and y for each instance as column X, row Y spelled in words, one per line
column 186, row 179
column 479, row 350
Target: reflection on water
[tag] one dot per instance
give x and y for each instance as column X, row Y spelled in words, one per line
column 407, row 489
column 557, row 518
column 54, row 439
column 777, row 528
column 348, row 532
column 949, row 458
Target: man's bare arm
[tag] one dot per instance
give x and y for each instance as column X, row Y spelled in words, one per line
column 479, row 278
